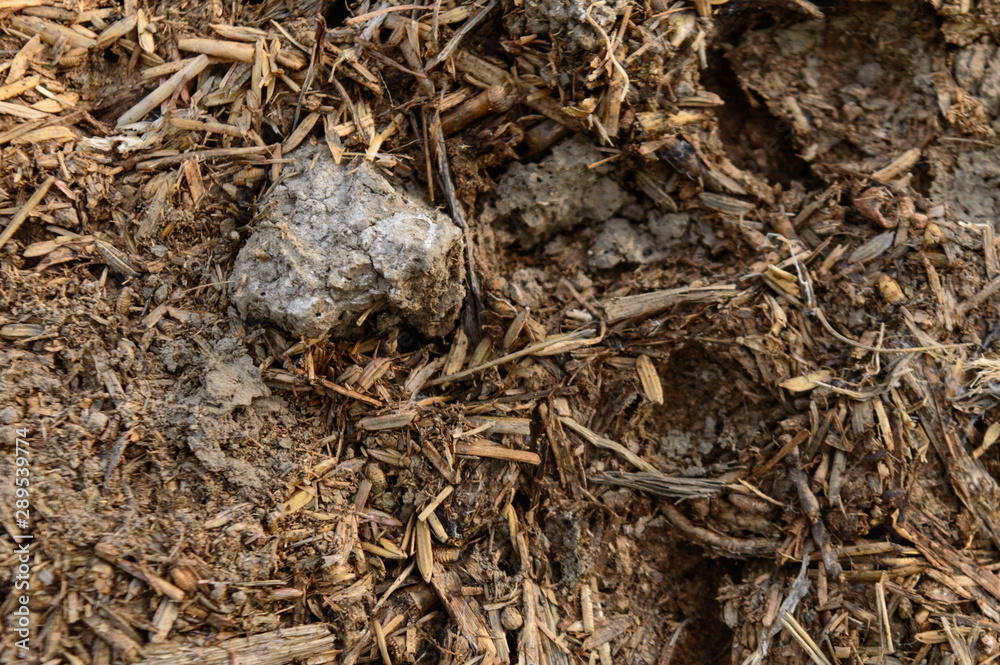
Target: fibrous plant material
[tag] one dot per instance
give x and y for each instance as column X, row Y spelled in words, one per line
column 816, row 392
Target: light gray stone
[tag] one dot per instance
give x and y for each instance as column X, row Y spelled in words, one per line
column 337, row 242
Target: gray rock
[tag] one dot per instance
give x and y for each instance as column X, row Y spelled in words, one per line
column 972, row 189
column 338, row 242
column 10, row 414
column 95, row 422
column 622, row 242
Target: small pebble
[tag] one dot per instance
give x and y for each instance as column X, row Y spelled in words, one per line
column 96, row 422
column 10, row 414
column 511, row 618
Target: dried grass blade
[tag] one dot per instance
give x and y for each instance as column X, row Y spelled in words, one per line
column 899, row 166
column 649, row 378
column 608, row 444
column 883, row 617
column 300, row 133
column 497, row 452
column 395, row 585
column 534, row 349
column 115, row 259
column 657, row 483
column 25, row 210
column 383, row 648
column 802, row 637
column 514, row 329
column 957, row 642
column 502, row 425
column 630, row 307
column 238, row 33
column 378, row 550
column 437, row 528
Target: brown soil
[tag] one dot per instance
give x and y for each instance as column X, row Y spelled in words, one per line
column 770, row 439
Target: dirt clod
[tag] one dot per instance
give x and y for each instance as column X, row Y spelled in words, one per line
column 538, row 200
column 339, row 243
column 972, row 188
column 566, row 21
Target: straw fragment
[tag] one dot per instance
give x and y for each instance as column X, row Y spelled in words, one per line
column 163, row 92
column 25, row 210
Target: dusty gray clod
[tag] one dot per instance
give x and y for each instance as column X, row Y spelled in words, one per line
column 565, row 21
column 557, row 193
column 339, row 241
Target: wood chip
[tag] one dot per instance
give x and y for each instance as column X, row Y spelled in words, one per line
column 390, row 421
column 240, row 52
column 272, row 648
column 486, row 449
column 425, row 557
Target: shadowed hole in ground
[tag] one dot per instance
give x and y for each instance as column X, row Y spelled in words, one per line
column 754, row 139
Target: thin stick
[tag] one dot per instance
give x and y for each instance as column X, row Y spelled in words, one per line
column 877, row 349
column 883, row 617
column 25, row 210
column 602, row 442
column 527, row 351
column 497, row 452
column 474, row 304
column 212, row 153
column 163, row 92
column 435, row 502
column 610, row 47
column 803, row 638
column 350, row 107
column 457, row 38
column 667, row 654
column 316, row 56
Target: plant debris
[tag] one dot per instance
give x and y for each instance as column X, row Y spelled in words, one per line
column 704, row 370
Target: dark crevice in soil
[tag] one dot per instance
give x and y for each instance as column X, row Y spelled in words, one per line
column 692, row 580
column 754, row 139
column 336, row 13
column 922, row 178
